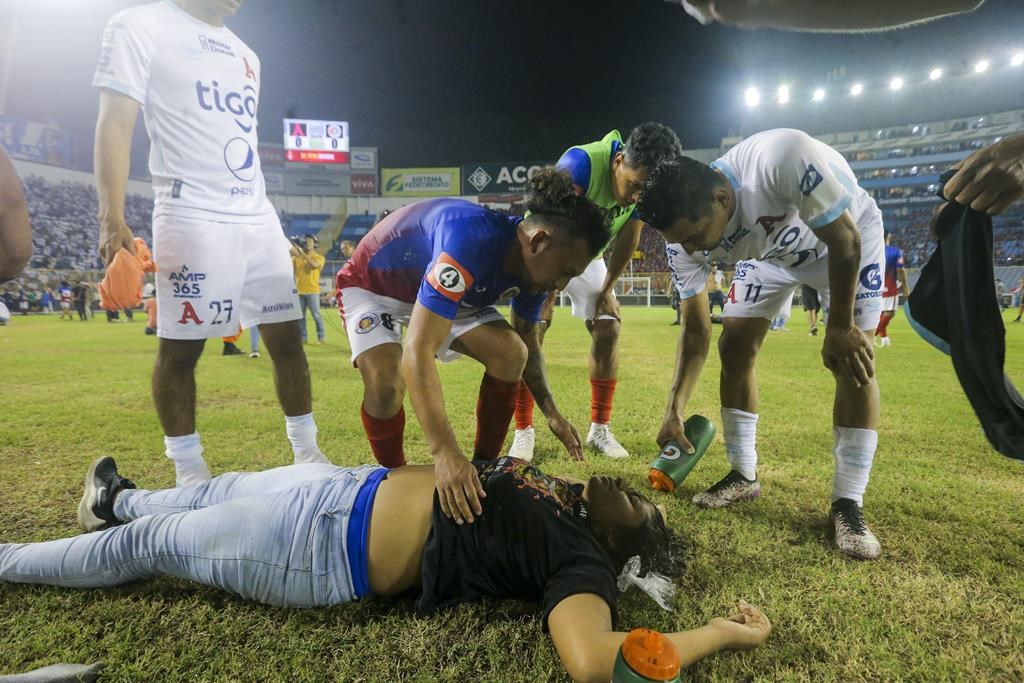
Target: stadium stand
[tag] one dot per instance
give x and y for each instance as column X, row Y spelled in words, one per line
column 354, row 228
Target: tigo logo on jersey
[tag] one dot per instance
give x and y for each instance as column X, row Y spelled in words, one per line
column 812, row 178
column 367, row 323
column 449, row 278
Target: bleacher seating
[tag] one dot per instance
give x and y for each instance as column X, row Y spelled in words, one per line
column 355, row 227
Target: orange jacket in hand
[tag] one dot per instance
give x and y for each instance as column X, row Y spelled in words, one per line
column 122, row 285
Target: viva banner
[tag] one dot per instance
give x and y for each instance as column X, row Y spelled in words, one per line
column 419, row 182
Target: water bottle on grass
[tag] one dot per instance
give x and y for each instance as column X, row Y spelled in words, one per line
column 647, row 656
column 673, row 463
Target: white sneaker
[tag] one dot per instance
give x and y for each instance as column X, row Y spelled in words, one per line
column 522, row 444
column 601, row 439
column 254, row 354
column 886, row 342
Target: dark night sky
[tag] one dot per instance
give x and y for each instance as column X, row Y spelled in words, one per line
column 436, row 82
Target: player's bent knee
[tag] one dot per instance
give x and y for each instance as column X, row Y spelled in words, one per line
column 508, row 362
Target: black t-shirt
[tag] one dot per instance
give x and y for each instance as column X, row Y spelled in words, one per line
column 531, row 543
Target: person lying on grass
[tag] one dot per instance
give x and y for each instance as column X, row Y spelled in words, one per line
column 316, row 534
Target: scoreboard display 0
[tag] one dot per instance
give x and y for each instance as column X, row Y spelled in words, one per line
column 316, row 142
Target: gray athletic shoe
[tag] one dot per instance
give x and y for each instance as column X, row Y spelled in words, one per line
column 733, row 488
column 853, row 536
column 102, row 483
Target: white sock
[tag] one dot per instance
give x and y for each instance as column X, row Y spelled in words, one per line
column 740, row 430
column 301, row 431
column 187, row 454
column 854, row 452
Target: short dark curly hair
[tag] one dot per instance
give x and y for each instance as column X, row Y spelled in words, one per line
column 650, row 144
column 680, row 188
column 551, row 197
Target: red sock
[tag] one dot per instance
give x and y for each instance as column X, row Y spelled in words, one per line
column 883, row 325
column 494, row 408
column 386, row 436
column 524, row 407
column 601, row 393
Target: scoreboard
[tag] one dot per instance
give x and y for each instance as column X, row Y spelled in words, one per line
column 316, row 142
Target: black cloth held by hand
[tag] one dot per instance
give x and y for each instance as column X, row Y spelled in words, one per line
column 954, row 308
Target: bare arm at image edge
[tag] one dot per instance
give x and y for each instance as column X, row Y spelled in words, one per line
column 111, row 163
column 15, row 229
column 815, row 15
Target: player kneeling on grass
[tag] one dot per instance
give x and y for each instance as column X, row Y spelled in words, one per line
column 792, row 205
column 438, row 267
column 315, row 535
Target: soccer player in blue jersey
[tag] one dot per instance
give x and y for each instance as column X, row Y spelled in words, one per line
column 895, row 284
column 437, row 267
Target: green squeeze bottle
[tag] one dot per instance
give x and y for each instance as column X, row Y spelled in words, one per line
column 673, row 464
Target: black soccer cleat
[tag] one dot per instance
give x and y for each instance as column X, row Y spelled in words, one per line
column 102, row 484
column 231, row 350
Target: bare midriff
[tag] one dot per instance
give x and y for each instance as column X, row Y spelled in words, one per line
column 399, row 524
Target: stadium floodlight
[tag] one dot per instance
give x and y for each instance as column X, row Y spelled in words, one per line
column 857, row 89
column 981, row 67
column 819, row 94
column 935, row 74
column 752, row 97
column 896, row 83
column 783, row 94
column 1017, row 59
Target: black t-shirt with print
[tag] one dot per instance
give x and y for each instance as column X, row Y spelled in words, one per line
column 531, row 543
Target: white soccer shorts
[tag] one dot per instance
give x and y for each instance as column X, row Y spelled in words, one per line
column 584, row 289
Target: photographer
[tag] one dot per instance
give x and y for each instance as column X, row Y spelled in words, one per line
column 308, row 264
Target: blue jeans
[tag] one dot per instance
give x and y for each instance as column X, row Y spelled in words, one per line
column 311, row 302
column 279, row 537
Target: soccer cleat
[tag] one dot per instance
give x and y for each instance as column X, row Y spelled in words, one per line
column 601, row 439
column 102, row 483
column 886, row 342
column 254, row 354
column 732, row 488
column 853, row 536
column 522, row 444
column 232, row 350
column 813, row 332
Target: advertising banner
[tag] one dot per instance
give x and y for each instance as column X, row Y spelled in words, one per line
column 419, row 182
column 271, row 156
column 319, row 184
column 498, row 178
column 364, row 183
column 363, row 159
column 274, row 181
column 34, row 141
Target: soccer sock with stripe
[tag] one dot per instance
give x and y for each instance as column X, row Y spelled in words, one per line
column 524, row 407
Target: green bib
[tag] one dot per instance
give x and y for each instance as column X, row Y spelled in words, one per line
column 599, row 189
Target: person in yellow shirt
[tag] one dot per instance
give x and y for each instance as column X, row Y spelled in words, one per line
column 308, row 264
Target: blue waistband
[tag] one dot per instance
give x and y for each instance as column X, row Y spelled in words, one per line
column 359, row 530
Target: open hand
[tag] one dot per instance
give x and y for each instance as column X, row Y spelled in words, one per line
column 744, row 630
column 568, row 435
column 458, row 488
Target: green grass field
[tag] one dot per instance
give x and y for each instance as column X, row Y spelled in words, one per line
column 944, row 603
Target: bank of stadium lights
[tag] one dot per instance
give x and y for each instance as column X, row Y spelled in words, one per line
column 857, row 89
column 752, row 97
column 1017, row 59
column 782, row 95
column 981, row 66
column 819, row 94
column 935, row 74
column 896, row 83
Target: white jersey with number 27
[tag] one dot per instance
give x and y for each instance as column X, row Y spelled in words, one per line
column 198, row 85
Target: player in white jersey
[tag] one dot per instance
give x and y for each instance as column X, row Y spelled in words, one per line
column 789, row 209
column 221, row 255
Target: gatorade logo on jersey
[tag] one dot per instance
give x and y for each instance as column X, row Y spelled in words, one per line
column 871, row 276
column 449, row 278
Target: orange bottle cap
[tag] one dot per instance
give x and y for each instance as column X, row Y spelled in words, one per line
column 651, row 655
column 661, row 481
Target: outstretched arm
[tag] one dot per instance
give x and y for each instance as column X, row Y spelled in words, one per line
column 623, row 249
column 458, row 487
column 536, row 379
column 15, row 229
column 581, row 628
column 843, row 17
column 691, row 353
